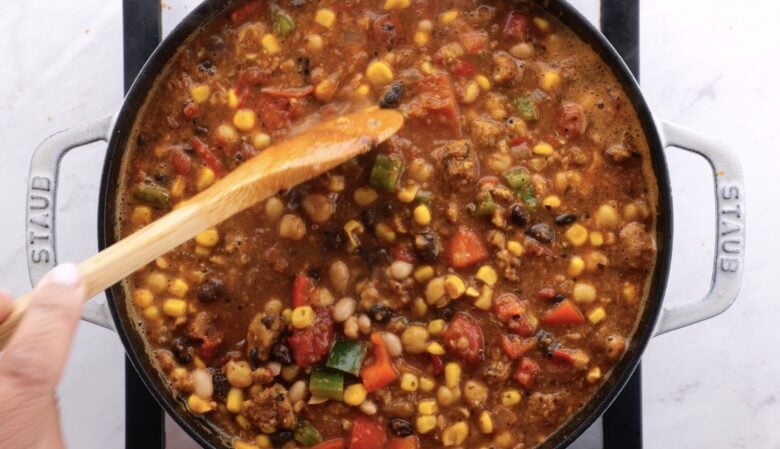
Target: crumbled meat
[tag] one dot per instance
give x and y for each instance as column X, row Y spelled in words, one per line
column 486, row 131
column 269, row 410
column 545, row 406
column 496, row 372
column 180, row 381
column 638, row 246
column 509, row 265
column 262, row 376
column 614, row 346
column 263, row 332
column 461, row 167
column 165, row 361
column 571, row 120
column 448, row 53
column 505, row 68
column 203, row 329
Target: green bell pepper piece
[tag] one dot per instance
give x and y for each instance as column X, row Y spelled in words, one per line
column 282, row 23
column 424, row 196
column 152, row 193
column 306, row 434
column 528, row 197
column 517, row 178
column 386, row 172
column 327, row 384
column 485, row 204
column 526, row 108
column 347, row 356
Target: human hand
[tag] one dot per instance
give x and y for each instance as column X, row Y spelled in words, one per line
column 32, row 362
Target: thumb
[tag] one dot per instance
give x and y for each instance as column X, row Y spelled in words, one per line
column 35, row 356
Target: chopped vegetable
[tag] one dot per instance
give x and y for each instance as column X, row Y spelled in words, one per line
column 515, row 346
column 518, row 25
column 518, row 178
column 327, row 384
column 152, row 194
column 282, row 23
column 526, row 108
column 386, row 172
column 410, row 442
column 367, row 433
column 302, row 287
column 464, row 68
column 245, row 12
column 306, row 434
column 565, row 312
column 381, row 371
column 311, row 344
column 336, row 443
column 485, row 204
column 527, row 372
column 423, row 196
column 465, row 248
column 529, row 199
column 347, row 356
column 207, row 156
column 463, row 338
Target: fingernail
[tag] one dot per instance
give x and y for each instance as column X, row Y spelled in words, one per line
column 66, row 274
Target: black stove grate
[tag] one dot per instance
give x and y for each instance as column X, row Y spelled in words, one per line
column 144, row 419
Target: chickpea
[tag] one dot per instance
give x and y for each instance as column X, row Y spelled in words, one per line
column 292, row 227
column 318, row 207
column 415, row 339
column 420, row 170
column 239, row 374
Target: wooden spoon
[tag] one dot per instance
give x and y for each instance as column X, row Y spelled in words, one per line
column 278, row 167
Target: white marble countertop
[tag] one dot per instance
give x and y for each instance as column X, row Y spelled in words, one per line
column 708, row 64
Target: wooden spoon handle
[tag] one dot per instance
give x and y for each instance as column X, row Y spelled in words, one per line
column 279, row 167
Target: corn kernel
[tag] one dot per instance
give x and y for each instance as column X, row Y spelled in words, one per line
column 630, row 212
column 543, row 149
column 454, row 286
column 504, row 439
column 550, row 80
column 314, row 42
column 576, row 266
column 201, row 251
column 427, row 407
column 198, row 405
column 198, row 362
column 244, row 119
column 407, row 194
column 261, row 140
column 232, row 98
column 205, row 178
column 593, row 375
column 577, row 234
column 483, row 82
column 596, row 238
column 596, row 315
column 200, row 93
column 409, row 382
column 422, row 215
column 510, row 398
column 455, row 434
column 325, row 17
column 152, row 313
column 485, row 422
column 385, row 233
column 487, row 274
column 287, row 314
column 448, row 17
column 178, row 287
column 364, row 196
column 355, row 394
column 629, row 292
column 175, row 308
column 238, row 444
column 424, row 273
column 427, row 385
column 234, row 399
column 595, row 260
column 421, row 38
column 435, row 348
column 141, row 216
column 178, row 186
column 515, row 247
column 243, row 422
column 485, row 300
column 156, row 282
column 436, row 327
column 584, row 293
column 397, row 4
column 379, row 73
column 270, row 44
column 425, row 424
column 263, row 442
column 143, row 298
column 606, row 216
column 419, row 307
column 470, row 93
column 207, row 238
column 551, row 202
column 542, row 24
column 302, row 317
column 472, row 292
column 426, row 68
column 363, row 90
column 452, row 372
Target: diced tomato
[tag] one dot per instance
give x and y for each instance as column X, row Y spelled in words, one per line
column 515, row 347
column 277, row 112
column 565, row 312
column 517, row 141
column 518, row 25
column 465, row 248
column 437, row 364
column 527, row 372
column 507, row 306
column 291, row 92
column 473, row 41
column 463, row 68
column 569, row 357
column 434, row 98
column 463, row 338
column 386, row 28
column 381, row 371
column 336, row 443
column 521, row 325
column 247, row 11
column 311, row 344
column 301, row 289
column 180, row 161
column 546, row 293
column 410, row 442
column 571, row 120
column 367, row 433
column 403, row 253
column 207, row 156
column 191, row 110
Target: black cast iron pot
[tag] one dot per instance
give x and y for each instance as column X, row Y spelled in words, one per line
column 655, row 320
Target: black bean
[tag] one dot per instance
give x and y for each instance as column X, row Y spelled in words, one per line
column 565, row 219
column 446, row 312
column 161, row 178
column 268, row 320
column 206, row 66
column 212, row 290
column 182, row 351
column 280, row 438
column 518, row 214
column 547, row 342
column 558, row 297
column 541, row 232
column 281, row 353
column 374, row 256
column 298, row 3
column 202, row 130
column 304, row 67
column 332, row 240
column 399, row 427
column 368, row 218
column 221, row 384
column 314, row 274
column 380, row 313
column 254, row 358
column 393, row 96
column 215, row 44
column 427, row 246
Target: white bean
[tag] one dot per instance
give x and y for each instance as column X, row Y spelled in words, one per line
column 364, row 323
column 400, row 269
column 339, row 275
column 344, row 308
column 393, row 344
column 298, row 391
column 351, row 328
column 202, row 383
column 368, row 407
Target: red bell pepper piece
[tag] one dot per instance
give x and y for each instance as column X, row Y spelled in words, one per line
column 311, row 344
column 403, row 253
column 517, row 141
column 336, row 443
column 464, row 68
column 463, row 338
column 191, row 110
column 301, row 288
column 381, row 371
column 207, row 156
column 569, row 357
column 566, row 312
column 527, row 372
column 438, row 364
column 508, row 305
column 410, row 442
column 367, row 433
column 291, row 92
column 180, row 161
column 465, row 248
column 546, row 293
column 473, row 41
column 518, row 25
column 245, row 12
column 515, row 347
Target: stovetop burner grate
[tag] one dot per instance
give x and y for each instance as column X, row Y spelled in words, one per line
column 144, row 419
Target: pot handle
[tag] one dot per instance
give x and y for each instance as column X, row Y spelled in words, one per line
column 40, row 223
column 729, row 260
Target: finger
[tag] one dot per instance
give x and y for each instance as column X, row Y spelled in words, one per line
column 6, row 304
column 35, row 356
